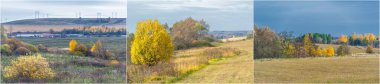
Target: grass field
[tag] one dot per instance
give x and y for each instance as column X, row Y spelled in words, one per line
column 237, row 69
column 117, row 45
column 358, row 67
column 74, row 69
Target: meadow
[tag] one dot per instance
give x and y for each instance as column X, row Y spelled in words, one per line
column 346, row 69
column 115, row 44
column 75, row 69
column 194, row 66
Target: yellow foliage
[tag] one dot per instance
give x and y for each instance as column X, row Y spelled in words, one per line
column 354, row 36
column 330, row 51
column 72, row 45
column 93, row 48
column 319, row 51
column 290, row 50
column 307, row 44
column 343, row 39
column 371, row 37
column 31, row 67
column 113, row 62
column 151, row 44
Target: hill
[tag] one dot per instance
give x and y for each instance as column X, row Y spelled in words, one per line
column 69, row 21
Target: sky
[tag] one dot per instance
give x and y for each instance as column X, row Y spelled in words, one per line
column 221, row 15
column 25, row 9
column 325, row 16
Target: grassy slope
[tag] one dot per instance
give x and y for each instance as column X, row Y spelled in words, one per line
column 232, row 70
column 78, row 74
column 346, row 69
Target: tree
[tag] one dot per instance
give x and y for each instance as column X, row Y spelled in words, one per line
column 289, row 50
column 319, row 51
column 72, row 45
column 151, row 43
column 307, row 44
column 187, row 31
column 343, row 39
column 330, row 51
column 267, row 44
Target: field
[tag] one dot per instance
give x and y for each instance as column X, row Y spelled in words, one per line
column 115, row 44
column 74, row 69
column 357, row 67
column 193, row 66
column 237, row 69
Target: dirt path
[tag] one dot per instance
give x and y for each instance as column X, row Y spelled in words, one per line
column 232, row 70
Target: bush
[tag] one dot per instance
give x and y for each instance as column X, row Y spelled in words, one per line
column 198, row 43
column 28, row 69
column 32, row 48
column 22, row 51
column 42, row 48
column 113, row 63
column 78, row 53
column 5, row 49
column 343, row 50
column 81, row 48
column 369, row 49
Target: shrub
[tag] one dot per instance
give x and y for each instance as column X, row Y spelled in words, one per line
column 22, row 51
column 369, row 49
column 5, row 49
column 151, row 44
column 78, row 53
column 42, row 48
column 81, row 48
column 29, row 68
column 72, row 45
column 32, row 48
column 343, row 50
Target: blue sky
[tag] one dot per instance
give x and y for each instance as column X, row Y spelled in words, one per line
column 25, row 9
column 335, row 17
column 229, row 15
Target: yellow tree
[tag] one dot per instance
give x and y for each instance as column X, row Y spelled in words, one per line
column 289, row 50
column 319, row 51
column 371, row 37
column 72, row 45
column 307, row 44
column 151, row 43
column 354, row 36
column 343, row 39
column 330, row 51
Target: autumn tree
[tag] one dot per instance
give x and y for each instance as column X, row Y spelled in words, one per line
column 343, row 39
column 319, row 51
column 330, row 51
column 289, row 50
column 72, row 45
column 307, row 44
column 187, row 32
column 151, row 43
column 267, row 43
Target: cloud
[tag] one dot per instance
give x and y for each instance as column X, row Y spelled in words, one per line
column 175, row 5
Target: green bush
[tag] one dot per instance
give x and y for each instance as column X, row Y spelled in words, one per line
column 22, row 51
column 5, row 49
column 42, row 48
column 78, row 53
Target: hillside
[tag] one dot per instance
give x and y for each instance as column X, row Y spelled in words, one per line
column 232, row 70
column 69, row 21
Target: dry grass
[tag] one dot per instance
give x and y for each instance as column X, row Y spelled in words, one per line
column 345, row 69
column 237, row 69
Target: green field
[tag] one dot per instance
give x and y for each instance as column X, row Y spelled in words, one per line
column 346, row 69
column 74, row 69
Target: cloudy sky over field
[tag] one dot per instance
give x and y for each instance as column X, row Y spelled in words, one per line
column 25, row 9
column 324, row 16
column 219, row 14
